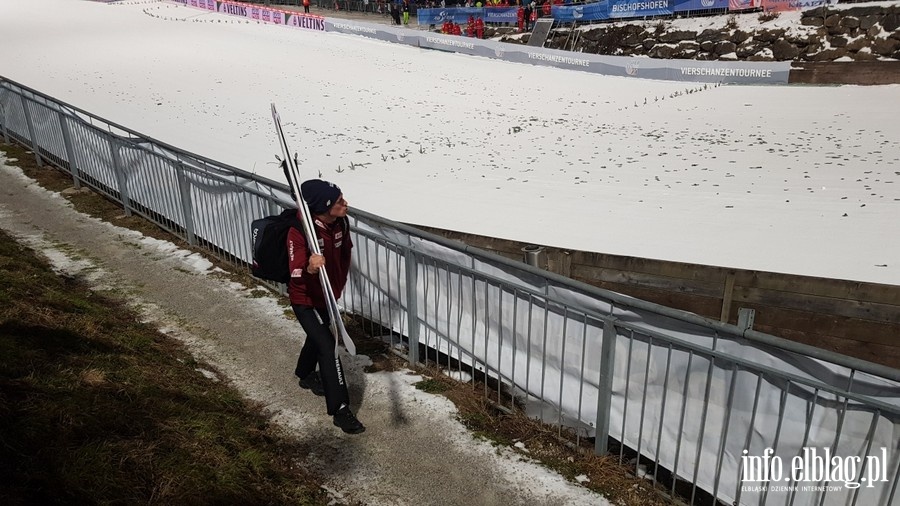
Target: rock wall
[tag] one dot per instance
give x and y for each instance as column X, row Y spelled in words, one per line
column 863, row 33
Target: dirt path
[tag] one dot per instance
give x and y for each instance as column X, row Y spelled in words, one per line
column 414, row 451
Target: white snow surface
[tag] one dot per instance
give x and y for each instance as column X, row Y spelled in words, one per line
column 793, row 179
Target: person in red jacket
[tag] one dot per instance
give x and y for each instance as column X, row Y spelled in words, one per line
column 479, row 28
column 329, row 212
column 520, row 17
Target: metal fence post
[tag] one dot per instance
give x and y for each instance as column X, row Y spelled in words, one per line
column 604, row 397
column 274, row 207
column 412, row 304
column 533, row 255
column 70, row 153
column 187, row 206
column 745, row 318
column 5, row 109
column 34, row 145
column 119, row 169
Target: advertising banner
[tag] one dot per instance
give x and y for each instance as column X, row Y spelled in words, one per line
column 248, row 11
column 366, row 30
column 458, row 15
column 742, row 5
column 501, row 15
column 639, row 8
column 803, row 5
column 463, row 45
column 596, row 11
column 778, row 5
column 794, row 5
column 272, row 16
column 233, row 9
column 699, row 5
column 307, row 21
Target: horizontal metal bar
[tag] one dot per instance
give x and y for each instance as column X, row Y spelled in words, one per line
column 243, row 173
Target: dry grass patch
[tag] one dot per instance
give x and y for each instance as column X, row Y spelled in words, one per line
column 99, row 408
column 543, row 442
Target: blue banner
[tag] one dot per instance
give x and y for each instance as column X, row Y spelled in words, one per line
column 501, row 15
column 459, row 15
column 595, row 11
column 640, row 8
column 700, row 5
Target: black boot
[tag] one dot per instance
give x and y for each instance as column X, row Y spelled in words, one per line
column 313, row 383
column 348, row 423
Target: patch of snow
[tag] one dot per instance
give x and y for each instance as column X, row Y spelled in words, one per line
column 207, row 374
column 642, row 472
column 193, row 261
column 461, row 376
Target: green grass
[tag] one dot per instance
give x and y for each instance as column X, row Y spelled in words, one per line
column 431, row 386
column 99, row 408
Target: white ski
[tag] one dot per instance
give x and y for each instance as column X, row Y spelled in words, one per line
column 309, row 230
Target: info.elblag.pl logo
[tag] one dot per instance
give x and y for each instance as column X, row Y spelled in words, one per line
column 815, row 469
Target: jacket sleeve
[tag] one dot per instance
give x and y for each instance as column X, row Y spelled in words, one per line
column 298, row 255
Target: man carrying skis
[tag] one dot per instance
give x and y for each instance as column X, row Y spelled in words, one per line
column 328, row 210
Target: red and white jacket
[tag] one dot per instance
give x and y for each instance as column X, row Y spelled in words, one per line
column 334, row 242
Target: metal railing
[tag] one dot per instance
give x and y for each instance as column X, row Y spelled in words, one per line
column 693, row 404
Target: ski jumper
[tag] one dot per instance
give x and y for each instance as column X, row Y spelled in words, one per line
column 309, row 305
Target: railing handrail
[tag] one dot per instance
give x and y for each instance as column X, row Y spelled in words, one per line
column 240, row 172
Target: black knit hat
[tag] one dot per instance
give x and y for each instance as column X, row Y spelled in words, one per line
column 319, row 195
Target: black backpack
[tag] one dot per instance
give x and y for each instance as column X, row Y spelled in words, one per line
column 269, row 239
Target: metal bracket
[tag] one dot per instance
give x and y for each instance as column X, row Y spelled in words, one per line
column 745, row 318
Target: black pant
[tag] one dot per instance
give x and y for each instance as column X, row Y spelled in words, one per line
column 319, row 349
column 306, row 9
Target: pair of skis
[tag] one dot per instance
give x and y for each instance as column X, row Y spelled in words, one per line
column 309, row 230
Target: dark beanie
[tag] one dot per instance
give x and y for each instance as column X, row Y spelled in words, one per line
column 319, row 195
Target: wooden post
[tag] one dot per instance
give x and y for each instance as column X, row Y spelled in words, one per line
column 727, row 295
